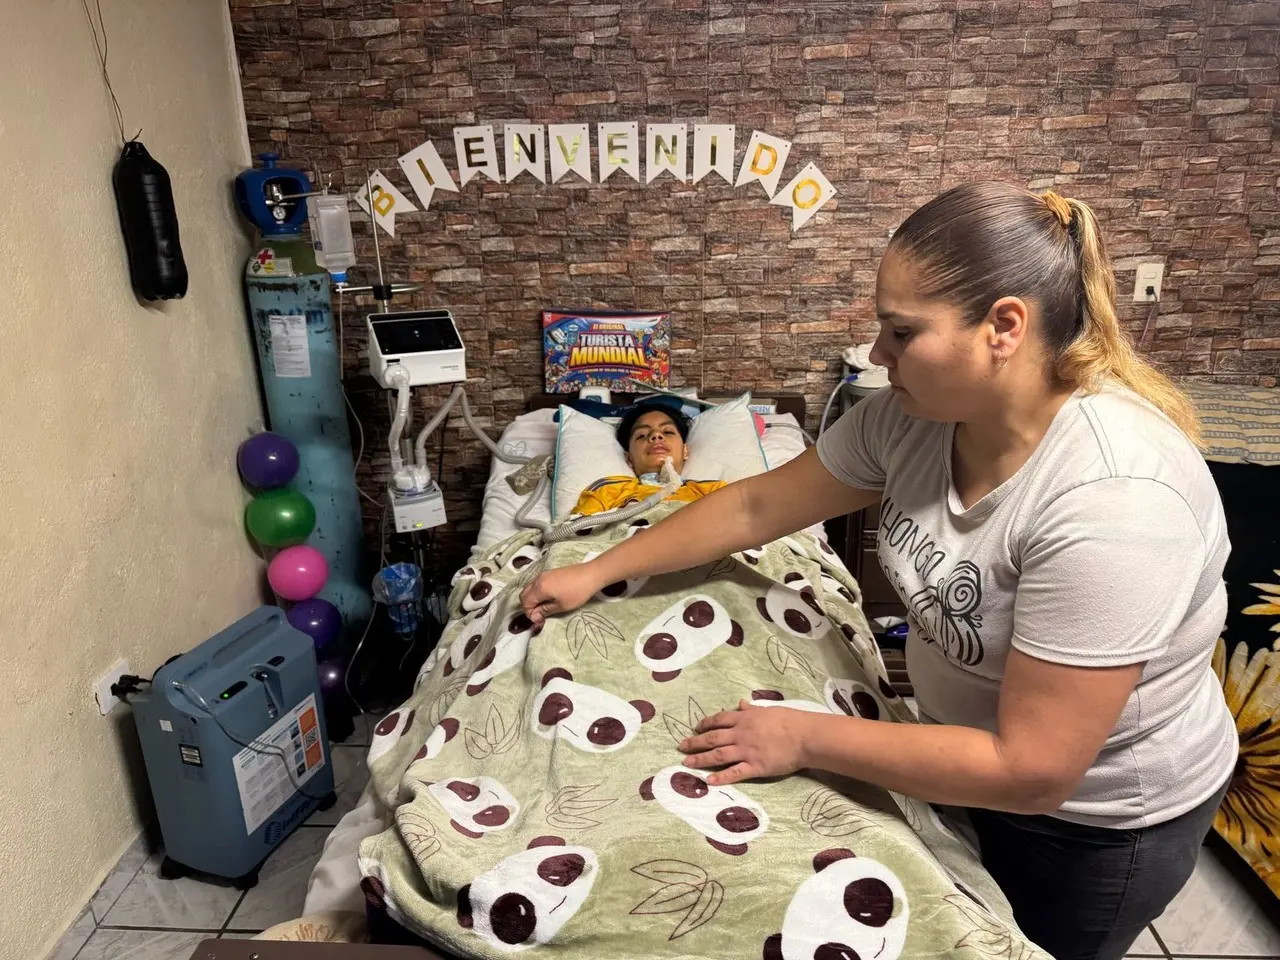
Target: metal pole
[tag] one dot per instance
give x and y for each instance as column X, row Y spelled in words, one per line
column 406, row 442
column 377, row 249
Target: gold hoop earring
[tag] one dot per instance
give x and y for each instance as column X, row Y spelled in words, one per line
column 1001, row 361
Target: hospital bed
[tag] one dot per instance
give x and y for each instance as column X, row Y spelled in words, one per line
column 781, row 621
column 335, row 883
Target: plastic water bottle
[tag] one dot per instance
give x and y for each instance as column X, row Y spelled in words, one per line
column 144, row 197
column 331, row 234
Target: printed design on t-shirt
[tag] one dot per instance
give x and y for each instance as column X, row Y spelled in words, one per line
column 946, row 613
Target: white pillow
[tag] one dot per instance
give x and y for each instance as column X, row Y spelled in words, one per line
column 586, row 450
column 724, row 444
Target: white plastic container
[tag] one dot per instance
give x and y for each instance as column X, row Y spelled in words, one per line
column 331, row 234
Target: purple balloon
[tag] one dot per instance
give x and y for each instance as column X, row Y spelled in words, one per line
column 267, row 461
column 331, row 673
column 319, row 619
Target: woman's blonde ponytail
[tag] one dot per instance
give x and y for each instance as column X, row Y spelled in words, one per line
column 1102, row 350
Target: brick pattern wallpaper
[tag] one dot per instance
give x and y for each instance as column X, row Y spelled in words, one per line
column 1160, row 113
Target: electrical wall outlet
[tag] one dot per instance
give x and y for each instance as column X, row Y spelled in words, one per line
column 102, row 689
column 1148, row 275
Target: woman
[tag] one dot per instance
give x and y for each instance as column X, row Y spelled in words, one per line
column 1059, row 542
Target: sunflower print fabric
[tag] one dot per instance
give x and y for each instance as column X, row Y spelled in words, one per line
column 1249, row 818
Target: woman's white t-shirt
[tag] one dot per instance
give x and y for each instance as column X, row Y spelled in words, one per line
column 1105, row 548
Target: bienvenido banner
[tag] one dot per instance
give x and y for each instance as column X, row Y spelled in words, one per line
column 548, row 153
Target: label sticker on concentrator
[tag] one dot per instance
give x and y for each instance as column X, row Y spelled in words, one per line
column 281, row 759
column 190, row 755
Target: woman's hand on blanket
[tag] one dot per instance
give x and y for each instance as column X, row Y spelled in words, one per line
column 558, row 591
column 750, row 742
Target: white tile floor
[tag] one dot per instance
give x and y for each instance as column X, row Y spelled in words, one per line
column 136, row 915
column 139, row 916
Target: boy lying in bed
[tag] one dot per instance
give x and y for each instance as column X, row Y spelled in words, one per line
column 650, row 433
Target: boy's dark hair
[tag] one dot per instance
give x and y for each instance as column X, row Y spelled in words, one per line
column 639, row 409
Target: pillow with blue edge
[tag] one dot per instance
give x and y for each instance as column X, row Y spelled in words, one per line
column 724, row 443
column 586, row 451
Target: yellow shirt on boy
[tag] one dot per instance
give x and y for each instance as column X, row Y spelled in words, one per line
column 612, row 492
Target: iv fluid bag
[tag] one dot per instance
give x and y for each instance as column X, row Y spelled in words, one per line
column 331, row 233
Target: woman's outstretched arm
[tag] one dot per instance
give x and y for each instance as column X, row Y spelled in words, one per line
column 748, row 513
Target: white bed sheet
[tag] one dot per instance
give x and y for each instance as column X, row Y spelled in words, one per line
column 534, row 433
column 335, row 880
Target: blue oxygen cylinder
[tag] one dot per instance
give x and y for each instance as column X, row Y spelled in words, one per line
column 291, row 315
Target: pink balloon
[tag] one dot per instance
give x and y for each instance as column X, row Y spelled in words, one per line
column 298, row 573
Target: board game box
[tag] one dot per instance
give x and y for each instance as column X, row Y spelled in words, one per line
column 605, row 348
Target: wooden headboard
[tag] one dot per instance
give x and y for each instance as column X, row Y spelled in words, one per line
column 792, row 403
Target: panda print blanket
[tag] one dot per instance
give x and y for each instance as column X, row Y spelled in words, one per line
column 538, row 801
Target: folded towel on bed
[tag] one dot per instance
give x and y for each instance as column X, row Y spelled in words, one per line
column 526, row 478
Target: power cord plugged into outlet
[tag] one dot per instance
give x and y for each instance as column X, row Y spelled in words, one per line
column 128, row 683
column 1151, row 293
column 120, row 682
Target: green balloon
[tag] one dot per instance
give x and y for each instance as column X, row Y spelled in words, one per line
column 280, row 518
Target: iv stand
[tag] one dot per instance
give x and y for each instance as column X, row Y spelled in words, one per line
column 382, row 293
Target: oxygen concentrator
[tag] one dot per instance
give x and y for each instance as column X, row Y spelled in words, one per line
column 236, row 747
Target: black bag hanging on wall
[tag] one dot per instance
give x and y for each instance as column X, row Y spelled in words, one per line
column 144, row 198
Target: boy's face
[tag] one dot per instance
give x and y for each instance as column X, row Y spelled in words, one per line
column 654, row 437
